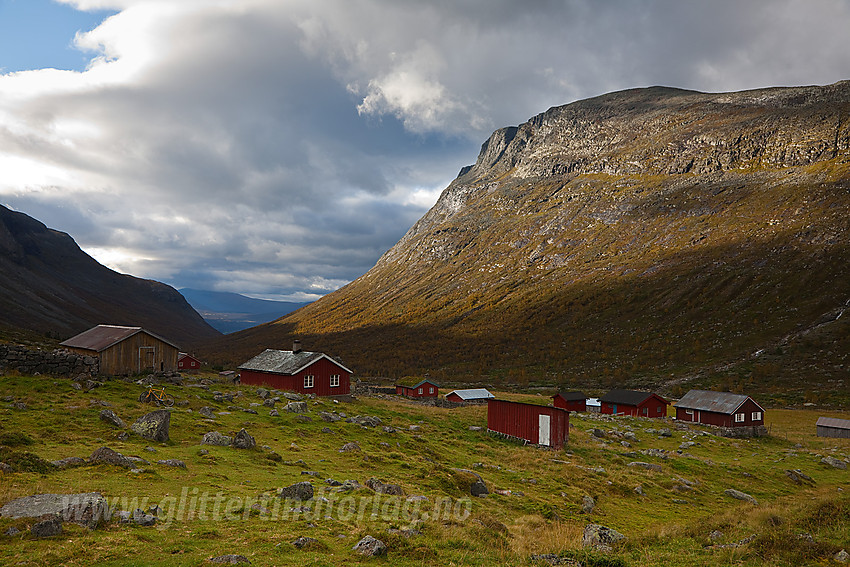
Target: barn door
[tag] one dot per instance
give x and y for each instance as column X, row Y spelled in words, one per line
column 544, row 428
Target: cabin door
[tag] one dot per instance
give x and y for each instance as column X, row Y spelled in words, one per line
column 544, row 428
column 146, row 358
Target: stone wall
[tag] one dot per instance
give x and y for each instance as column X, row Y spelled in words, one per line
column 56, row 363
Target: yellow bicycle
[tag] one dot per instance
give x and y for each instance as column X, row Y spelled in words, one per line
column 156, row 396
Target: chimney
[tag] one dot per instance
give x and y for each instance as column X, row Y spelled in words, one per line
column 296, row 346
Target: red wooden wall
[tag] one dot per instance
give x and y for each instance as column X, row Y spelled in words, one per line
column 723, row 419
column 522, row 421
column 414, row 392
column 574, row 405
column 321, row 370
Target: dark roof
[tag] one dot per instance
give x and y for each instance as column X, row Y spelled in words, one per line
column 833, row 422
column 473, row 394
column 627, row 397
column 102, row 337
column 717, row 402
column 286, row 361
column 572, row 396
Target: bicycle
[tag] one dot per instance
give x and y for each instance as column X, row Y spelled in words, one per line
column 157, row 396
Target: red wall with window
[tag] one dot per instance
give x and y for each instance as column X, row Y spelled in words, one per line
column 321, row 370
column 428, row 390
column 571, row 405
column 748, row 408
column 654, row 406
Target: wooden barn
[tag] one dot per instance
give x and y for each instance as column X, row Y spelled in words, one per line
column 546, row 426
column 187, row 362
column 571, row 401
column 297, row 370
column 833, row 427
column 633, row 402
column 416, row 388
column 125, row 350
column 723, row 409
column 475, row 395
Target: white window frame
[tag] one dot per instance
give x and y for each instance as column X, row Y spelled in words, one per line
column 740, row 417
column 756, row 416
column 334, row 380
column 431, row 390
column 309, row 381
column 420, row 391
column 689, row 412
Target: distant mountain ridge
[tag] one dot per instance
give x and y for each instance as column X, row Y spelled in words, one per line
column 641, row 236
column 49, row 285
column 229, row 312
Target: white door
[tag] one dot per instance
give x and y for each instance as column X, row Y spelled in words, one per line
column 543, row 432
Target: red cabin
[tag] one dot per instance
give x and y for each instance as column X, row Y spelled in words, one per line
column 545, row 426
column 632, row 402
column 571, row 401
column 723, row 409
column 187, row 362
column 417, row 389
column 297, row 371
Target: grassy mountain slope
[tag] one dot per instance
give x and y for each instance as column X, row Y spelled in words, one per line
column 646, row 236
column 50, row 286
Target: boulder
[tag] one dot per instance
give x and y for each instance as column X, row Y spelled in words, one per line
column 738, row 495
column 68, row 462
column 352, row 447
column 302, row 542
column 365, row 420
column 105, row 455
column 109, row 416
column 835, row 463
column 143, row 519
column 263, row 393
column 647, row 466
column 244, row 440
column 269, row 402
column 370, row 547
column 596, row 432
column 172, row 463
column 329, row 417
column 274, row 413
column 477, row 487
column 301, row 491
column 296, row 407
column 87, row 509
column 842, row 556
column 47, row 528
column 153, row 426
column 587, row 504
column 207, row 412
column 216, row 438
column 600, row 538
column 292, row 396
column 381, row 488
column 229, row 559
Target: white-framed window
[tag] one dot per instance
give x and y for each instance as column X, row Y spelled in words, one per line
column 645, row 411
column 659, row 409
column 740, row 417
column 431, row 390
column 334, row 380
column 308, row 381
column 689, row 412
column 420, row 390
column 756, row 416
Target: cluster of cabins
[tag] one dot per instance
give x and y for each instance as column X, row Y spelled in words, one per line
column 123, row 350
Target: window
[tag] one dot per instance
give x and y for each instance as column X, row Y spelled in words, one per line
column 689, row 412
column 334, row 380
column 659, row 409
column 420, row 390
column 645, row 411
column 430, row 390
column 740, row 417
column 756, row 416
column 308, row 381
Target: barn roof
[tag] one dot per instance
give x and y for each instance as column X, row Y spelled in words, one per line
column 833, row 422
column 473, row 394
column 286, row 361
column 717, row 402
column 627, row 397
column 102, row 337
column 571, row 396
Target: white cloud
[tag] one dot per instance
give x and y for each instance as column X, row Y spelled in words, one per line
column 280, row 147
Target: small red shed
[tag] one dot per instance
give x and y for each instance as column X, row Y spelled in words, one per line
column 297, row 371
column 571, row 401
column 723, row 409
column 545, row 426
column 633, row 402
column 415, row 388
column 187, row 362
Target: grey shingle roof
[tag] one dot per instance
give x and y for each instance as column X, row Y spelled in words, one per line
column 473, row 394
column 834, row 422
column 626, row 397
column 285, row 361
column 102, row 337
column 718, row 402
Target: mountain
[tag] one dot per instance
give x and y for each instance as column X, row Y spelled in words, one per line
column 228, row 312
column 49, row 285
column 648, row 236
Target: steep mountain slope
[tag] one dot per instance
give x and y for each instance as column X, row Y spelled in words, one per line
column 638, row 237
column 49, row 285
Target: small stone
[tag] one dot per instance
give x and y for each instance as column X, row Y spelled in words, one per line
column 351, row 447
column 600, row 537
column 738, row 495
column 302, row 542
column 111, row 457
column 835, row 463
column 216, row 438
column 301, row 491
column 47, row 528
column 715, row 535
column 13, row 531
column 296, row 407
column 109, row 416
column 172, row 463
column 207, row 412
column 244, row 440
column 229, row 559
column 587, row 504
column 647, row 466
column 842, row 556
column 370, row 546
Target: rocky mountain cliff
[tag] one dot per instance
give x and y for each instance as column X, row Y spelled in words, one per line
column 49, row 285
column 644, row 236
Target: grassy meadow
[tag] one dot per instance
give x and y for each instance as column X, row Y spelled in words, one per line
column 224, row 501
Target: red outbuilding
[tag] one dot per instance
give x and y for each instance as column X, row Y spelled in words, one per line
column 723, row 409
column 572, row 401
column 632, row 402
column 416, row 388
column 546, row 426
column 297, row 371
column 187, row 362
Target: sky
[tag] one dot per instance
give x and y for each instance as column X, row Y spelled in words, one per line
column 277, row 148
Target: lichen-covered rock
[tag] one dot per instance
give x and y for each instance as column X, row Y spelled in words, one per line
column 351, row 447
column 296, row 407
column 600, row 538
column 47, row 528
column 216, row 438
column 381, row 488
column 154, row 426
column 244, row 440
column 738, row 495
column 370, row 546
column 109, row 416
column 301, row 491
column 108, row 456
column 87, row 509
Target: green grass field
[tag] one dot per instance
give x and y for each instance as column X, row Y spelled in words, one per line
column 206, row 509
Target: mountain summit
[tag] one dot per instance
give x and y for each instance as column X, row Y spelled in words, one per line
column 637, row 236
